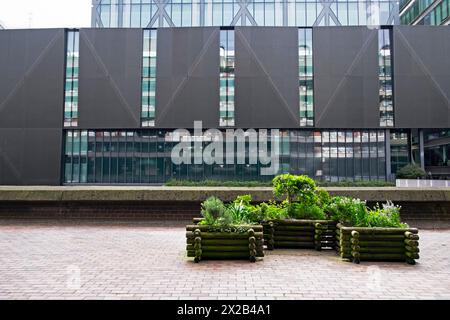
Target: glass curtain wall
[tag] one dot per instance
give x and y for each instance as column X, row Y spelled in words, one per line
column 194, row 13
column 400, row 146
column 306, row 75
column 227, row 65
column 71, row 79
column 149, row 78
column 144, row 157
column 385, row 78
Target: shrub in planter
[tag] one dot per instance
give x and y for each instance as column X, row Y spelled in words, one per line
column 304, row 223
column 373, row 234
column 224, row 232
column 411, row 171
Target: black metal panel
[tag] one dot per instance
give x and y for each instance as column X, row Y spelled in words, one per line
column 346, row 83
column 31, row 106
column 422, row 76
column 30, row 156
column 187, row 81
column 267, row 77
column 110, row 78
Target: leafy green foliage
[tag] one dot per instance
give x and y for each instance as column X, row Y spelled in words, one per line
column 268, row 211
column 354, row 212
column 212, row 210
column 303, row 201
column 300, row 188
column 300, row 210
column 348, row 211
column 387, row 216
column 323, row 198
column 240, row 210
column 411, row 171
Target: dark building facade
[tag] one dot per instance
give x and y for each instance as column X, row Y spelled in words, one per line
column 100, row 106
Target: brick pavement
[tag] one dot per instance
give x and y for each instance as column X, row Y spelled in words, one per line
column 130, row 260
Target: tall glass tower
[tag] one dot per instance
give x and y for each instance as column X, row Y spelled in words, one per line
column 193, row 13
column 425, row 12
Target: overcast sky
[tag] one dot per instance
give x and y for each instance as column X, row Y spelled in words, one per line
column 18, row 14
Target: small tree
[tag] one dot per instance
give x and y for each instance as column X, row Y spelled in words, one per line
column 294, row 188
column 411, row 171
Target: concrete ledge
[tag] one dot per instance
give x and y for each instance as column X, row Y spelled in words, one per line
column 198, row 194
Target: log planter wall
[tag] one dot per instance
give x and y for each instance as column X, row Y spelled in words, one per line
column 204, row 242
column 313, row 234
column 385, row 244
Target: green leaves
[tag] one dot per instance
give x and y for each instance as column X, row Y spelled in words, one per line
column 354, row 212
column 411, row 171
column 301, row 188
column 299, row 210
column 212, row 210
column 303, row 201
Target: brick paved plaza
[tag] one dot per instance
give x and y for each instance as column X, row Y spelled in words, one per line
column 86, row 260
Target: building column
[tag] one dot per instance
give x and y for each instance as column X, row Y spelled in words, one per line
column 388, row 154
column 421, row 149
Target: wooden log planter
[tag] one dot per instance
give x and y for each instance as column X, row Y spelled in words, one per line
column 204, row 242
column 384, row 244
column 290, row 233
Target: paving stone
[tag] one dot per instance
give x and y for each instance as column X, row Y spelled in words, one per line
column 147, row 261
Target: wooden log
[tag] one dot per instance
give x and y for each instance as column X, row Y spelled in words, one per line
column 190, row 247
column 411, row 243
column 382, row 256
column 381, row 250
column 411, row 236
column 355, row 234
column 293, row 228
column 223, row 235
column 382, row 237
column 393, row 231
column 293, row 239
column 378, row 243
column 197, row 220
column 303, row 222
column 223, row 242
column 412, row 255
column 294, row 233
column 223, row 255
column 412, row 249
column 256, row 228
column 290, row 244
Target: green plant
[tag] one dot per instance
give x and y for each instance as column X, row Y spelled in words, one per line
column 301, row 188
column 299, row 210
column 347, row 210
column 324, row 198
column 212, row 210
column 268, row 211
column 387, row 216
column 411, row 171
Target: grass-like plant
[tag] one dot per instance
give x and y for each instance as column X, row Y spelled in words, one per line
column 387, row 216
column 213, row 209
